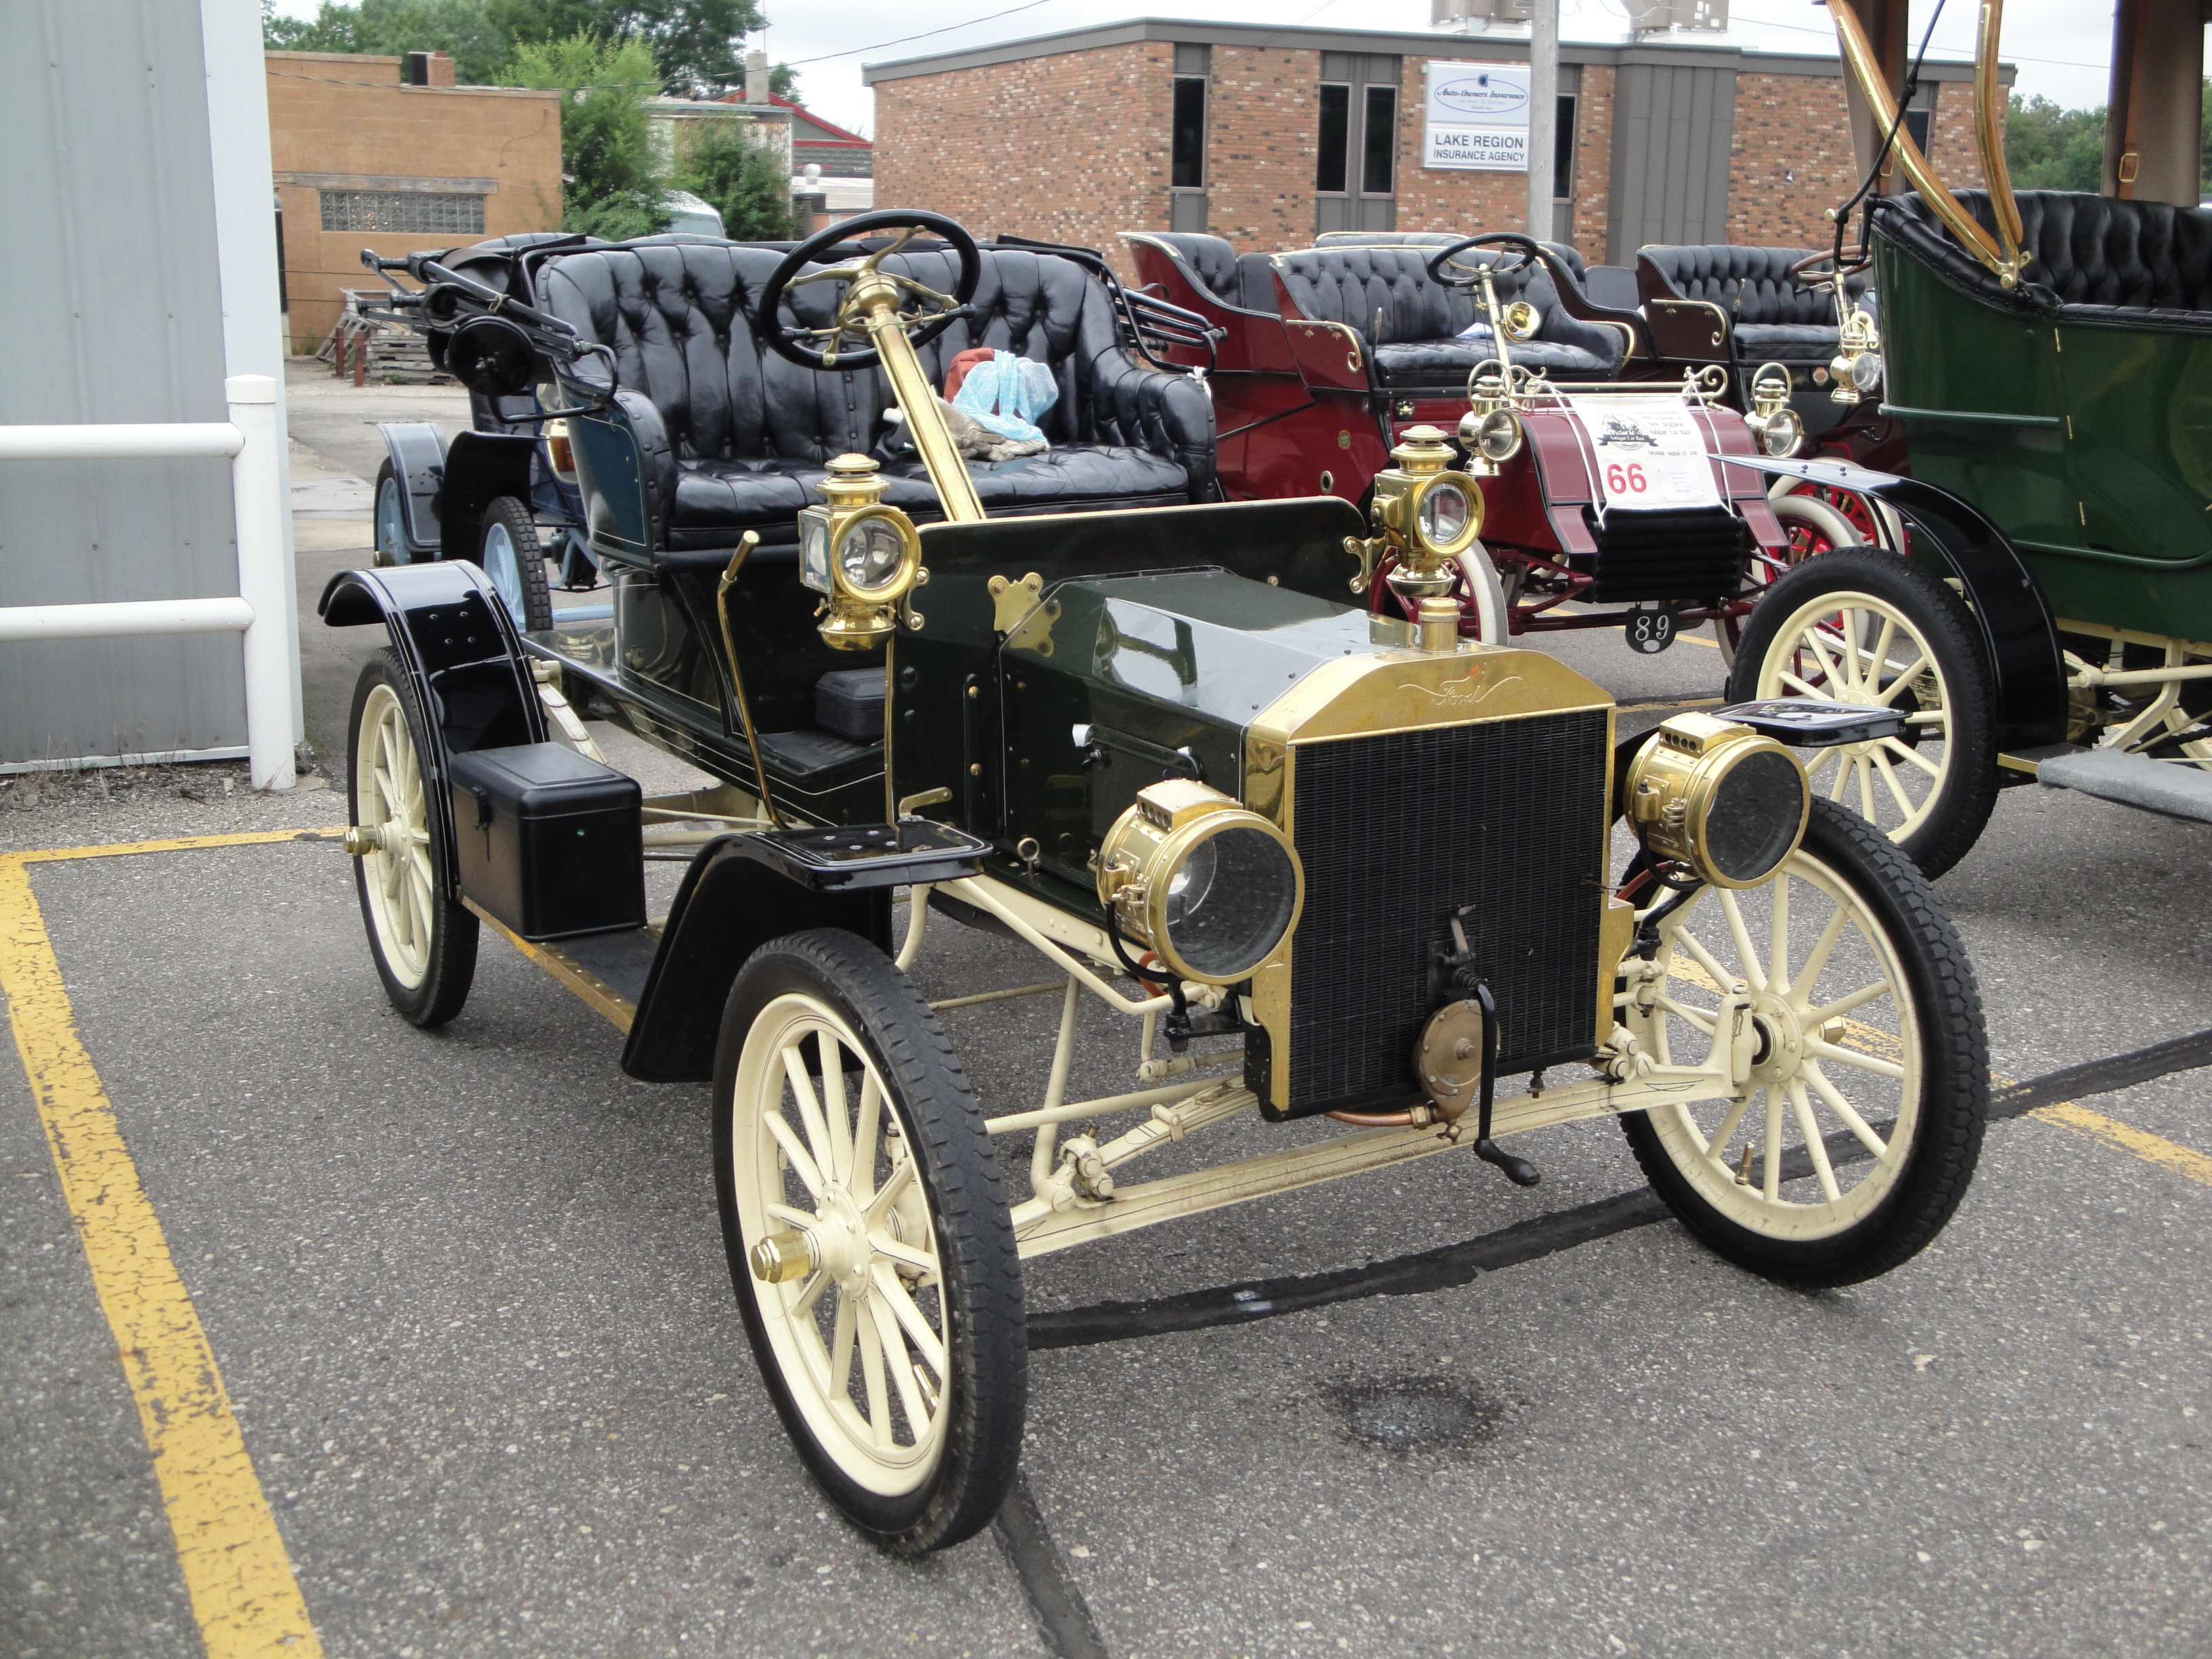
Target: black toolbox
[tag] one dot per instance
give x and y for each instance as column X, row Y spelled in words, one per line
column 550, row 841
column 850, row 702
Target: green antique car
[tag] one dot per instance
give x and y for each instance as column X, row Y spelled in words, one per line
column 2050, row 355
column 1327, row 869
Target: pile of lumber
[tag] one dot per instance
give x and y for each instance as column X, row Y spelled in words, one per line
column 372, row 349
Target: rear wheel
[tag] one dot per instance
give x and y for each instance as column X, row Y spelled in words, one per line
column 869, row 1240
column 391, row 530
column 424, row 943
column 508, row 553
column 1810, row 526
column 1870, row 1081
column 1861, row 626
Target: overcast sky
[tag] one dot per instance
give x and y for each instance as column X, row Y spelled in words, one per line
column 2061, row 46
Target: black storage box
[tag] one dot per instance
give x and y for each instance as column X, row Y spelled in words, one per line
column 550, row 841
column 850, row 702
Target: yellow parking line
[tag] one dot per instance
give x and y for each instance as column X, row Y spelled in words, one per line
column 2152, row 1149
column 239, row 1580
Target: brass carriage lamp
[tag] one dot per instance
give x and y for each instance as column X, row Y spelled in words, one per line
column 1772, row 420
column 866, row 557
column 1429, row 514
column 1856, row 370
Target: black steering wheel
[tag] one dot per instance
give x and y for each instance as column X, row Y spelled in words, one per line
column 935, row 312
column 1528, row 249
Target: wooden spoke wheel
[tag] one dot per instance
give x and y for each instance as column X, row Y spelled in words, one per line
column 1863, row 1119
column 869, row 1240
column 1862, row 626
column 424, row 943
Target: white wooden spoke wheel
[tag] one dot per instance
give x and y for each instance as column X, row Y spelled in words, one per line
column 424, row 944
column 859, row 1332
column 1859, row 625
column 869, row 1239
column 1866, row 1076
column 1810, row 526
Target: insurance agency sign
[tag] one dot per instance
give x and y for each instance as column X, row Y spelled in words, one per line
column 1477, row 116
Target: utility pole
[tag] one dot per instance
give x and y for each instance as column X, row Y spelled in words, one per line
column 1543, row 113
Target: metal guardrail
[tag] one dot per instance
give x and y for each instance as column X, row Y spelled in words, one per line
column 258, row 611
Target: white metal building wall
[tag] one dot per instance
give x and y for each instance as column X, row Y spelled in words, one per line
column 141, row 270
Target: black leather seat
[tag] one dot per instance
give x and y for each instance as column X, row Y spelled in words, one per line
column 734, row 438
column 1410, row 323
column 1241, row 282
column 2094, row 256
column 1772, row 319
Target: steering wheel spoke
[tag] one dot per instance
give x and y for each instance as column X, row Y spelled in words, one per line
column 826, row 349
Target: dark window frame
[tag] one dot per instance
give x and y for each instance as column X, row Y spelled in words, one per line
column 1342, row 147
column 1386, row 151
column 1187, row 136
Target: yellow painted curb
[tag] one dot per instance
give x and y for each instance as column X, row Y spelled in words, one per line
column 239, row 1580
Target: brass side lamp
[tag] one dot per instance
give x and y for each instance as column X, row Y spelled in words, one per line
column 864, row 557
column 1429, row 513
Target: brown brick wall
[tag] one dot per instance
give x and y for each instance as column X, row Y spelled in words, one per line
column 1786, row 125
column 1953, row 153
column 1073, row 147
column 1593, row 161
column 1262, row 136
column 341, row 115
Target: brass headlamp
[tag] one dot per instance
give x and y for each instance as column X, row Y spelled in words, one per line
column 1856, row 370
column 1209, row 887
column 865, row 557
column 1727, row 801
column 1429, row 513
column 1772, row 420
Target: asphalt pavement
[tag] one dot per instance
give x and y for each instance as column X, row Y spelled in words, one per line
column 466, row 1291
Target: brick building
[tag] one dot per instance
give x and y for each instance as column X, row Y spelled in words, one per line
column 363, row 159
column 1267, row 136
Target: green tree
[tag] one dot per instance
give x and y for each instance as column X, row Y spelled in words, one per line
column 783, row 81
column 2048, row 148
column 741, row 178
column 481, row 48
column 698, row 45
column 614, row 180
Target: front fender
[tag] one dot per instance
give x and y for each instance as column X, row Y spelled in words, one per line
column 1956, row 538
column 480, row 467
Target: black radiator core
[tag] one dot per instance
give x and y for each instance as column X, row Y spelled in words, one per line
column 1395, row 832
column 1688, row 555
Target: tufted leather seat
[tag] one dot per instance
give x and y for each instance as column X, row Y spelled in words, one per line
column 734, row 438
column 1409, row 322
column 2095, row 256
column 1772, row 317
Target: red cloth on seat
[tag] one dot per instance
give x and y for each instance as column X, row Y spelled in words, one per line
column 959, row 371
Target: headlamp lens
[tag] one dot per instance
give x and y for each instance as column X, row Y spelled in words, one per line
column 1230, row 902
column 1443, row 516
column 1499, row 437
column 814, row 552
column 1781, row 432
column 1753, row 820
column 869, row 552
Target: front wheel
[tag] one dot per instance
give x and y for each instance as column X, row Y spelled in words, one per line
column 508, row 552
column 1869, row 1085
column 390, row 525
column 869, row 1240
column 1861, row 626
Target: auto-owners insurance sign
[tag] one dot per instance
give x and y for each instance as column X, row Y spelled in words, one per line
column 1477, row 116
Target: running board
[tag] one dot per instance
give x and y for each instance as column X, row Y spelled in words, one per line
column 2178, row 789
column 606, row 971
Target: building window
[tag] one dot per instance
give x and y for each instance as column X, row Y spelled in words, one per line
column 1189, row 172
column 411, row 211
column 1916, row 125
column 1380, row 159
column 1336, row 138
column 1563, row 149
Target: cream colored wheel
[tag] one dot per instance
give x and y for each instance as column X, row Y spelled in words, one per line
column 869, row 1239
column 400, row 883
column 858, row 1332
column 424, row 943
column 1855, row 1136
column 1859, row 625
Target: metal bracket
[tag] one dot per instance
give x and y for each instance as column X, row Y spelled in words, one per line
column 1012, row 602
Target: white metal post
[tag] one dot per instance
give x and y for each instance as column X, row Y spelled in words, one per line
column 263, row 581
column 1543, row 114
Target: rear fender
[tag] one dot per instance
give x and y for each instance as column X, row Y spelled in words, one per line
column 480, row 467
column 417, row 450
column 454, row 637
column 731, row 904
column 1955, row 538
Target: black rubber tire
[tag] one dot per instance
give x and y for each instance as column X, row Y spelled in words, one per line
column 1954, row 1070
column 987, row 1330
column 387, row 525
column 452, row 958
column 506, row 514
column 1967, row 795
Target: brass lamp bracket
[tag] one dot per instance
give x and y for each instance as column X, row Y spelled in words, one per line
column 1012, row 601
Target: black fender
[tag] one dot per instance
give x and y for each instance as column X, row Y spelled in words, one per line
column 480, row 467
column 459, row 646
column 1956, row 538
column 734, row 899
column 417, row 451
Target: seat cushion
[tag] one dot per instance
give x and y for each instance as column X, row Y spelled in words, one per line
column 718, row 500
column 1787, row 342
column 2093, row 256
column 1752, row 284
column 1424, row 363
